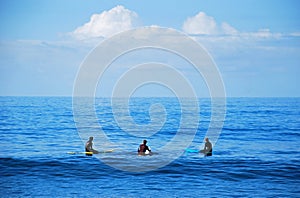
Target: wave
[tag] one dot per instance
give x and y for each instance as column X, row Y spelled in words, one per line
column 79, row 166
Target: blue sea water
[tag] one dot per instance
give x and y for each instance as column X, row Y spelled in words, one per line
column 257, row 153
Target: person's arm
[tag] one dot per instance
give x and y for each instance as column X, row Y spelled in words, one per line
column 88, row 146
column 209, row 147
column 148, row 148
column 93, row 150
column 206, row 149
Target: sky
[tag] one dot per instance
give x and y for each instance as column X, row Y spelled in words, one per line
column 255, row 44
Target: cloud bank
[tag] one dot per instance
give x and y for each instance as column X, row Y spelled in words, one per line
column 119, row 19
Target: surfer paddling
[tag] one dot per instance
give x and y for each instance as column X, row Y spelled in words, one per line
column 207, row 150
column 143, row 148
column 89, row 147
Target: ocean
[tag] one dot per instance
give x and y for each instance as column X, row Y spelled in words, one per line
column 256, row 155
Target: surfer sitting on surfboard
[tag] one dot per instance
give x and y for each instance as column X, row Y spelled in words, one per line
column 89, row 147
column 207, row 151
column 143, row 148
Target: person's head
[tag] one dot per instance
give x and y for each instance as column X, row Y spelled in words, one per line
column 145, row 141
column 206, row 140
column 91, row 138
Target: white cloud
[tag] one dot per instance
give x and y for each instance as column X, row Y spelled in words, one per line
column 206, row 25
column 107, row 23
column 228, row 29
column 261, row 34
column 296, row 34
column 200, row 24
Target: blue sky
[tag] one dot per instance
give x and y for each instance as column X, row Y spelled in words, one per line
column 255, row 44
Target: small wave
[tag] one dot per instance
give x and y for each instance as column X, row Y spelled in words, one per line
column 59, row 167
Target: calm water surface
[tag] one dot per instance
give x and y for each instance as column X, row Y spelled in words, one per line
column 257, row 154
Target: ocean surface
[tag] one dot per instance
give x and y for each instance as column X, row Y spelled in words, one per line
column 256, row 155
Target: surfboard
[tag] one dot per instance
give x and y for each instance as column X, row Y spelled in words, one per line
column 146, row 153
column 90, row 153
column 106, row 151
column 74, row 153
column 192, row 150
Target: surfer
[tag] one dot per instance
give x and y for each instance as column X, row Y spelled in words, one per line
column 89, row 147
column 143, row 148
column 207, row 151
